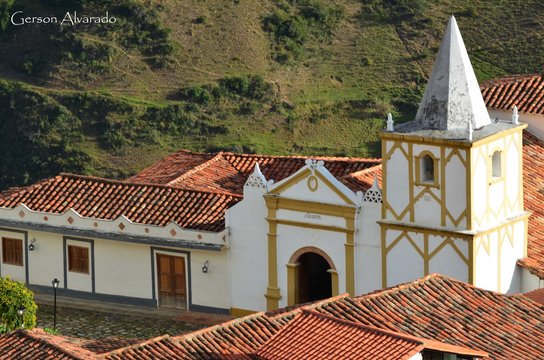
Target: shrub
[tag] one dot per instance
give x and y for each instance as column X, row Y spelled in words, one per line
column 13, row 296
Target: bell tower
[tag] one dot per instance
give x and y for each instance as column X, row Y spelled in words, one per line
column 452, row 183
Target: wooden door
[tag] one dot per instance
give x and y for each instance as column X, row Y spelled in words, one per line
column 172, row 287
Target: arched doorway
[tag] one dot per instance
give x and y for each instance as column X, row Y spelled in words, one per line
column 313, row 278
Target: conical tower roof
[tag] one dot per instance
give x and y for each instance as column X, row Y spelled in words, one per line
column 452, row 97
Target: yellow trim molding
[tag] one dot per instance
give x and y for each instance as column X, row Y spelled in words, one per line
column 236, row 312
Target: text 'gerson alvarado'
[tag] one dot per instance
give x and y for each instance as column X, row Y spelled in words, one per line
column 70, row 18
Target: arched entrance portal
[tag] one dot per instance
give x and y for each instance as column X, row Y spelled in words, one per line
column 313, row 278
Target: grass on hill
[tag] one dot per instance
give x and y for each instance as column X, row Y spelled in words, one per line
column 173, row 75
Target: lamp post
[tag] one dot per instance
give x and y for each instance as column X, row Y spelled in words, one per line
column 21, row 312
column 55, row 283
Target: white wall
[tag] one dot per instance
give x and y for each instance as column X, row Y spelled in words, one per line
column 122, row 263
column 211, row 288
column 46, row 261
column 368, row 250
column 248, row 244
column 530, row 282
column 121, row 268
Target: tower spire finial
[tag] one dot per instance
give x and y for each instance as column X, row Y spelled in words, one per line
column 390, row 123
column 452, row 96
column 515, row 116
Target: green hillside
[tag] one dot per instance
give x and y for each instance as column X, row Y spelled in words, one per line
column 272, row 76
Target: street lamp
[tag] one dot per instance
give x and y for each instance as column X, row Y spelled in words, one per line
column 21, row 312
column 55, row 283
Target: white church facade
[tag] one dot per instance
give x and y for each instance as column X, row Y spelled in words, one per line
column 244, row 233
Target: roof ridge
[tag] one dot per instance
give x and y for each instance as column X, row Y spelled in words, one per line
column 138, row 345
column 142, row 184
column 402, row 286
column 316, row 157
column 396, row 334
column 64, row 348
column 313, row 305
column 496, row 80
column 191, row 335
column 197, row 168
column 364, row 171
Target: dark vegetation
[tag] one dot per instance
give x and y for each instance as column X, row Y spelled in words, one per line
column 87, row 50
column 294, row 22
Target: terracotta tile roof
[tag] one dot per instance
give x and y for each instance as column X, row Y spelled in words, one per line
column 229, row 171
column 443, row 309
column 140, row 203
column 435, row 307
column 533, row 187
column 37, row 344
column 107, row 344
column 524, row 91
column 536, row 295
column 312, row 335
column 240, row 336
column 162, row 347
column 171, row 167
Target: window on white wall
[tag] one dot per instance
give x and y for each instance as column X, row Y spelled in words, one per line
column 496, row 164
column 427, row 169
column 78, row 259
column 12, row 251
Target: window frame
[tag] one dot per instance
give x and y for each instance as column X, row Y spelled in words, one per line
column 20, row 247
column 74, row 265
column 495, row 179
column 419, row 167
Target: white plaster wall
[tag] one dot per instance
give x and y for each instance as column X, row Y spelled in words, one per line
column 211, row 288
column 397, row 183
column 368, row 252
column 455, row 184
column 479, row 183
column 427, row 210
column 247, row 254
column 404, row 263
column 486, row 265
column 15, row 272
column 418, row 149
column 45, row 262
column 308, row 217
column 122, row 263
column 75, row 280
column 510, row 277
column 535, row 121
column 530, row 282
column 292, row 238
column 447, row 261
column 496, row 206
column 323, row 193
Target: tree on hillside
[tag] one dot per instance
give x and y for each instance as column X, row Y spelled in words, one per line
column 5, row 13
column 14, row 296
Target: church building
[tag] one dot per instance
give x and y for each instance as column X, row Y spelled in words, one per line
column 243, row 233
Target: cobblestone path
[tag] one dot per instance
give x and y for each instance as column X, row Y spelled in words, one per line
column 90, row 324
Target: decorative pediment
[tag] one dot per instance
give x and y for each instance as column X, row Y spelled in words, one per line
column 313, row 182
column 256, row 179
column 374, row 194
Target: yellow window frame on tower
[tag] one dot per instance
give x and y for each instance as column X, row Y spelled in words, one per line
column 418, row 160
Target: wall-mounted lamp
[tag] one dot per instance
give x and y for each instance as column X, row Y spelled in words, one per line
column 31, row 247
column 205, row 267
